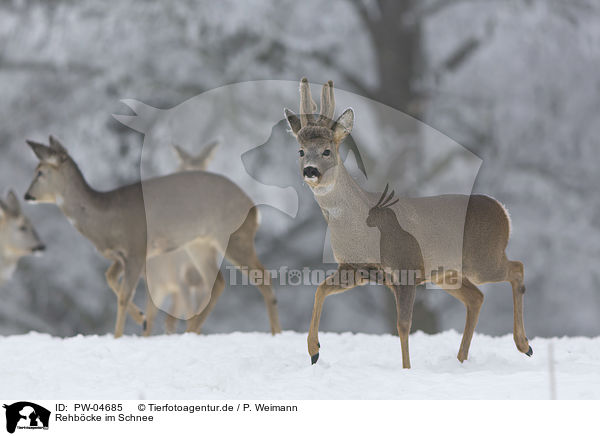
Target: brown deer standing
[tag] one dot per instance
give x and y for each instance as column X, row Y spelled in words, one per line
column 132, row 224
column 467, row 235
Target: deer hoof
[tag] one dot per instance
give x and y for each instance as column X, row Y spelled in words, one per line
column 529, row 352
column 313, row 359
column 145, row 325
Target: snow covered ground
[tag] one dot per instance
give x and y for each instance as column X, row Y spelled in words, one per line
column 259, row 366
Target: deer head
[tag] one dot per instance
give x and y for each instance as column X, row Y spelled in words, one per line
column 381, row 212
column 17, row 235
column 319, row 137
column 52, row 175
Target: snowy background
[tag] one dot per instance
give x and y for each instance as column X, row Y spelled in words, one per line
column 514, row 82
column 351, row 367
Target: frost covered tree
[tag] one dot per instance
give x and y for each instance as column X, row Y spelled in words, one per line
column 514, row 82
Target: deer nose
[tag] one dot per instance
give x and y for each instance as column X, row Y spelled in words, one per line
column 28, row 196
column 311, row 172
column 40, row 247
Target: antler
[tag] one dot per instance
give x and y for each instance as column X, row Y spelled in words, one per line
column 327, row 105
column 308, row 106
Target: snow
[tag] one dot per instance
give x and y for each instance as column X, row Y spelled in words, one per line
column 260, row 366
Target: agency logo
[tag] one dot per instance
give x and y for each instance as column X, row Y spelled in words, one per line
column 26, row 415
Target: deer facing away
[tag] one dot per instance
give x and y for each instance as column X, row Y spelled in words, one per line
column 174, row 275
column 18, row 238
column 137, row 222
column 471, row 245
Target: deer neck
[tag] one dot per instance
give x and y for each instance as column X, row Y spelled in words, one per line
column 82, row 205
column 8, row 260
column 345, row 206
column 344, row 199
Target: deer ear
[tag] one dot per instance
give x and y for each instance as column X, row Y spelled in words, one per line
column 343, row 126
column 207, row 154
column 57, row 146
column 12, row 204
column 293, row 121
column 182, row 155
column 43, row 153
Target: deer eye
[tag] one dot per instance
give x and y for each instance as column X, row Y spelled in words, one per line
column 23, row 228
column 327, row 152
column 301, row 153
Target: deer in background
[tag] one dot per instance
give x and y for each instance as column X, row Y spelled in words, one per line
column 466, row 234
column 174, row 275
column 132, row 224
column 18, row 238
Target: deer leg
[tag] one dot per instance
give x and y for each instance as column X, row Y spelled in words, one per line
column 151, row 311
column 131, row 276
column 174, row 313
column 153, row 302
column 405, row 299
column 266, row 290
column 206, row 261
column 195, row 323
column 136, row 313
column 171, row 324
column 113, row 275
column 472, row 298
column 241, row 252
column 515, row 277
column 331, row 285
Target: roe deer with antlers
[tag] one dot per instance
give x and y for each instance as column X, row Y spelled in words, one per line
column 18, row 238
column 174, row 275
column 134, row 223
column 467, row 235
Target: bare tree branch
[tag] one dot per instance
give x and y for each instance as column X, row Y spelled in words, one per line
column 461, row 54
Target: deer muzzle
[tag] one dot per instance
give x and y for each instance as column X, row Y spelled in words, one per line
column 311, row 172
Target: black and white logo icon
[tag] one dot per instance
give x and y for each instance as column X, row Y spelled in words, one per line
column 26, row 415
